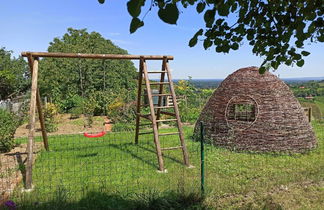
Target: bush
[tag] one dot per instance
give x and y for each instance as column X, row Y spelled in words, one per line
column 50, row 113
column 120, row 111
column 89, row 106
column 188, row 114
column 8, row 126
column 76, row 112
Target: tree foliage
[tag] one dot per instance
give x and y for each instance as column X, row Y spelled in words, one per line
column 13, row 74
column 66, row 78
column 8, row 126
column 276, row 30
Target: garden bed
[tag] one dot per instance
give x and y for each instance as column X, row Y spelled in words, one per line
column 66, row 125
column 12, row 168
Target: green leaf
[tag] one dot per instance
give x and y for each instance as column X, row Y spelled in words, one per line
column 135, row 24
column 234, row 7
column 134, row 7
column 207, row 43
column 300, row 63
column 219, row 49
column 199, row 33
column 193, row 41
column 169, row 14
column 299, row 44
column 288, row 62
column 235, row 46
column 200, row 7
column 219, row 21
column 191, row 2
column 223, row 10
column 305, row 53
column 209, row 17
column 101, row 1
column 262, row 69
column 297, row 56
column 320, row 38
column 275, row 64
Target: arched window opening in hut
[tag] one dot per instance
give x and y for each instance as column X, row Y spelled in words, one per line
column 242, row 112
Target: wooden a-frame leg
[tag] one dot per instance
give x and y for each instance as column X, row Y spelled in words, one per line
column 32, row 113
column 39, row 108
column 176, row 110
column 153, row 118
column 138, row 104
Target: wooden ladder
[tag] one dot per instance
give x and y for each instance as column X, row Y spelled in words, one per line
column 157, row 110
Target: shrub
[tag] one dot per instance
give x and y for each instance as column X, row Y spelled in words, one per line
column 50, row 113
column 188, row 114
column 89, row 106
column 23, row 113
column 76, row 112
column 120, row 111
column 8, row 126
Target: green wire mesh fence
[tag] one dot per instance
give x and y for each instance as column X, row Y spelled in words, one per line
column 77, row 168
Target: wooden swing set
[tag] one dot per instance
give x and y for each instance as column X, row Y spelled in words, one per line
column 154, row 116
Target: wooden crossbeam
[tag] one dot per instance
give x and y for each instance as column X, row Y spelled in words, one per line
column 94, row 56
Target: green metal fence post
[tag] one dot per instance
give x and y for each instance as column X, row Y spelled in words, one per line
column 202, row 159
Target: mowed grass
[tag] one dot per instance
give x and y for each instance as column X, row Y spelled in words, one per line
column 114, row 173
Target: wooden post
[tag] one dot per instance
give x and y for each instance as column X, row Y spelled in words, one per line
column 309, row 114
column 138, row 105
column 32, row 113
column 39, row 107
column 176, row 110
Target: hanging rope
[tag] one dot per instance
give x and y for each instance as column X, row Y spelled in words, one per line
column 102, row 133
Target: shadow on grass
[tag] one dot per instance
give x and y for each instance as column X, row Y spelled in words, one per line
column 165, row 156
column 136, row 154
column 101, row 200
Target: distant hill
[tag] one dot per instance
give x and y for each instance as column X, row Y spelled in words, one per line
column 302, row 79
column 204, row 83
column 214, row 83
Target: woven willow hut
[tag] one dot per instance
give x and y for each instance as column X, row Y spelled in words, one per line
column 256, row 112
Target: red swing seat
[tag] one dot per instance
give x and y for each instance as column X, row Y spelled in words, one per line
column 95, row 135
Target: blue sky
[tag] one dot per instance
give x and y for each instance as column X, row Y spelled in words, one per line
column 31, row 25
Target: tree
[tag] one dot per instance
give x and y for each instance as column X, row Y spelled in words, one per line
column 277, row 30
column 64, row 79
column 13, row 74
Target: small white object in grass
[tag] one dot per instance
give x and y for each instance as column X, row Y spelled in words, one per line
column 28, row 190
column 163, row 172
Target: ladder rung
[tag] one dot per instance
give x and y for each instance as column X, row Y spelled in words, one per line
column 145, row 124
column 146, row 116
column 167, row 120
column 156, row 72
column 149, row 132
column 158, row 83
column 167, row 134
column 169, row 113
column 171, row 148
column 163, row 107
column 161, row 94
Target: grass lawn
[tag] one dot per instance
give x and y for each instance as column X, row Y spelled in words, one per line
column 113, row 173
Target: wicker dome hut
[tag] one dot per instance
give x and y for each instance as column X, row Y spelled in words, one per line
column 255, row 112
